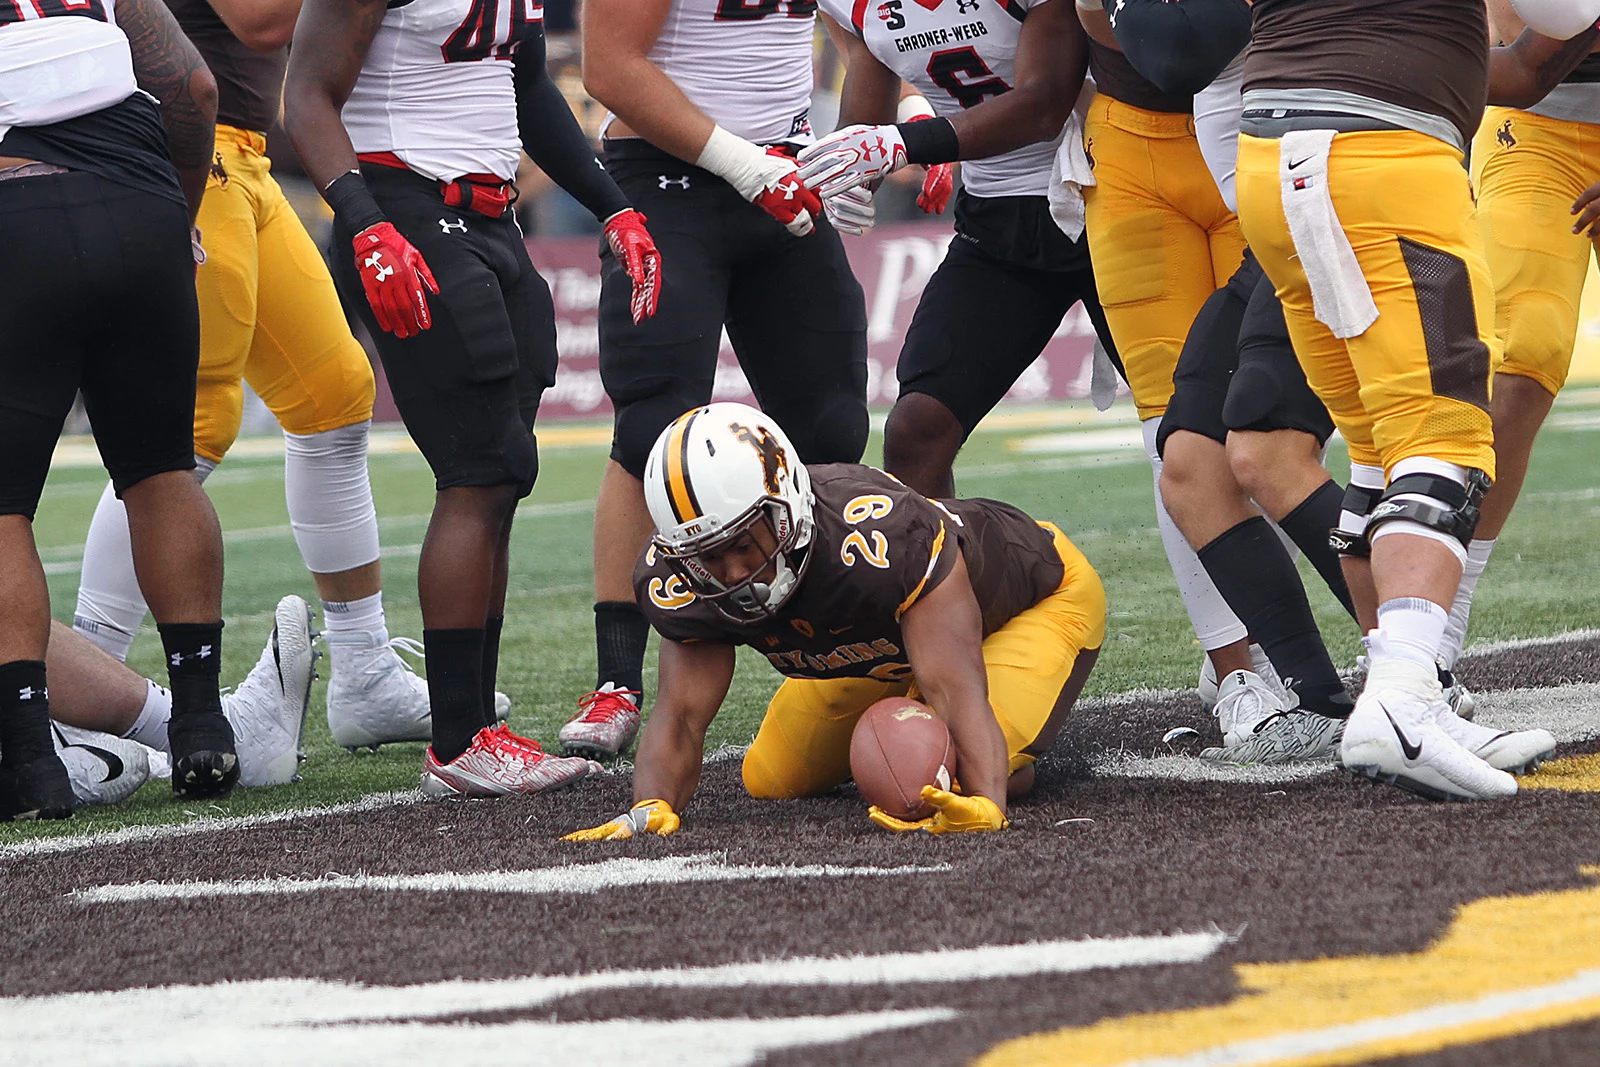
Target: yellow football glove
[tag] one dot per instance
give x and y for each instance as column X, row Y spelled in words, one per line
column 954, row 814
column 645, row 817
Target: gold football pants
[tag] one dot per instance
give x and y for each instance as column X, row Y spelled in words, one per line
column 1161, row 238
column 1416, row 382
column 1527, row 170
column 268, row 310
column 803, row 746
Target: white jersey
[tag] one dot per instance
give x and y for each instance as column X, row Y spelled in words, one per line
column 746, row 64
column 957, row 53
column 58, row 68
column 436, row 88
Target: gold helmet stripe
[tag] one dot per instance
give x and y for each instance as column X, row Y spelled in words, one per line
column 680, row 494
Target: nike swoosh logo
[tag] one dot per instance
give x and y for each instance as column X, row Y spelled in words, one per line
column 1299, row 162
column 1411, row 751
column 112, row 762
column 840, row 630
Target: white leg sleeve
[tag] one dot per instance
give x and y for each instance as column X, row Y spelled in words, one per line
column 330, row 498
column 1214, row 622
column 1455, row 631
column 110, row 606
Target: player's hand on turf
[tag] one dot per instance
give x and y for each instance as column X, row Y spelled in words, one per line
column 855, row 155
column 635, row 249
column 852, row 211
column 1587, row 208
column 936, row 189
column 394, row 275
column 953, row 814
column 645, row 817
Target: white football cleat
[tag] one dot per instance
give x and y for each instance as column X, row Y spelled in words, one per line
column 103, row 768
column 1244, row 702
column 1290, row 737
column 1457, row 695
column 500, row 763
column 268, row 709
column 604, row 725
column 374, row 697
column 1207, row 686
column 1517, row 752
column 1394, row 736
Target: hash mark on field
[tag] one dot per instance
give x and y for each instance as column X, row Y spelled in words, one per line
column 576, row 878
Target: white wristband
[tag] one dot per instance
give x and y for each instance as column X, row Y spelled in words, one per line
column 914, row 107
column 743, row 165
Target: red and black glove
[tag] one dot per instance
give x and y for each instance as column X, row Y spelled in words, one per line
column 394, row 274
column 936, row 188
column 787, row 199
column 634, row 248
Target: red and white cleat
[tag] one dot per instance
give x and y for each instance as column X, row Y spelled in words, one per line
column 500, row 763
column 605, row 724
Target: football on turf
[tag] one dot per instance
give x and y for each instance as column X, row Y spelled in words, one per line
column 898, row 747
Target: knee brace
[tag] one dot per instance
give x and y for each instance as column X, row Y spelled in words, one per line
column 1443, row 509
column 1349, row 538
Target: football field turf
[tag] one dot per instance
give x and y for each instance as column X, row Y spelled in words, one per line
column 1146, row 907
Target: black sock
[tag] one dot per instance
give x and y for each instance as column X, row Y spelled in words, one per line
column 455, row 689
column 194, row 666
column 1255, row 576
column 491, row 662
column 620, row 636
column 24, row 713
column 1308, row 525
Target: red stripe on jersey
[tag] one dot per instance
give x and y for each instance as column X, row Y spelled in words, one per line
column 858, row 14
column 1014, row 9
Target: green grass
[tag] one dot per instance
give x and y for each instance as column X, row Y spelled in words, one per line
column 1540, row 582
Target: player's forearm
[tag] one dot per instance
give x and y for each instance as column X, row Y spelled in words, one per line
column 330, row 44
column 1007, row 122
column 1522, row 73
column 670, row 753
column 311, row 119
column 169, row 68
column 870, row 96
column 982, row 761
column 261, row 25
column 652, row 105
column 553, row 139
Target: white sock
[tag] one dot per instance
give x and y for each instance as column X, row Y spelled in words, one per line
column 354, row 624
column 1455, row 631
column 1412, row 628
column 150, row 728
column 1215, row 624
column 330, row 498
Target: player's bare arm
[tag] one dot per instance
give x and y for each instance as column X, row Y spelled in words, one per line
column 170, row 69
column 1522, row 73
column 694, row 680
column 331, row 40
column 871, row 92
column 617, row 38
column 261, row 25
column 944, row 643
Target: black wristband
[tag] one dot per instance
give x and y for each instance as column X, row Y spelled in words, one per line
column 352, row 202
column 930, row 141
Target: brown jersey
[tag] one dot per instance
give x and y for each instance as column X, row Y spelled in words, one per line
column 1426, row 56
column 1115, row 77
column 249, row 83
column 877, row 548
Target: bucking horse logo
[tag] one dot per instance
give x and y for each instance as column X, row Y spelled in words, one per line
column 767, row 447
column 1503, row 135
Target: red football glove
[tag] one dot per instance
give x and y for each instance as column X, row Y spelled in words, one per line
column 936, row 189
column 393, row 274
column 787, row 199
column 632, row 245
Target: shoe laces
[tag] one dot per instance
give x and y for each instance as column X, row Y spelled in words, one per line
column 502, row 742
column 605, row 705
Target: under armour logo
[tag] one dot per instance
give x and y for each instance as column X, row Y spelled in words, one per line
column 28, row 692
column 681, row 183
column 964, row 6
column 376, row 260
column 456, row 225
column 177, row 658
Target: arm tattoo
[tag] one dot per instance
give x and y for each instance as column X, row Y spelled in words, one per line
column 170, row 69
column 1549, row 73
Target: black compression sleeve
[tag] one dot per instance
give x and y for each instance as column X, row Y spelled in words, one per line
column 1181, row 47
column 930, row 141
column 352, row 202
column 553, row 139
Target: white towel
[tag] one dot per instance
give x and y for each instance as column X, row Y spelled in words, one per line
column 1340, row 297
column 1070, row 172
column 1102, row 377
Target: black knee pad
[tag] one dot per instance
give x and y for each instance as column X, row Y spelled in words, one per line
column 639, row 422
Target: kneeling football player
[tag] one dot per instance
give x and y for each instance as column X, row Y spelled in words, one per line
column 856, row 588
